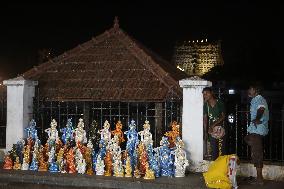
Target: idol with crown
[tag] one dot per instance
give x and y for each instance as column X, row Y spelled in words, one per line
column 166, row 161
column 105, row 139
column 118, row 132
column 31, row 130
column 115, row 150
column 173, row 134
column 100, row 165
column 67, row 132
column 181, row 162
column 53, row 167
column 132, row 143
column 34, row 163
column 80, row 162
column 26, row 159
column 146, row 135
column 52, row 134
column 80, row 133
column 17, row 164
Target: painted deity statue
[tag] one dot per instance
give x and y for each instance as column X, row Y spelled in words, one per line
column 8, row 163
column 173, row 134
column 71, row 168
column 53, row 167
column 132, row 142
column 136, row 172
column 100, row 165
column 143, row 159
column 105, row 139
column 80, row 133
column 108, row 164
column 146, row 136
column 102, row 148
column 118, row 167
column 90, row 145
column 105, row 133
column 20, row 149
column 118, row 132
column 156, row 156
column 128, row 168
column 166, row 162
column 116, row 157
column 51, row 155
column 60, row 161
column 94, row 160
column 89, row 163
column 67, row 132
column 153, row 161
column 81, row 168
column 43, row 166
column 80, row 162
column 30, row 143
column 31, row 130
column 113, row 146
column 52, row 134
column 181, row 161
column 26, row 159
column 34, row 163
column 37, row 145
column 13, row 152
column 149, row 173
column 17, row 164
column 90, row 158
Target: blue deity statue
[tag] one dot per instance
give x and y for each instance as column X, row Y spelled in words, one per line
column 94, row 159
column 166, row 161
column 34, row 163
column 154, row 165
column 53, row 167
column 102, row 148
column 19, row 150
column 31, row 130
column 132, row 143
column 67, row 131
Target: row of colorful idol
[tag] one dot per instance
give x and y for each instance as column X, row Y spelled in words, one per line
column 101, row 153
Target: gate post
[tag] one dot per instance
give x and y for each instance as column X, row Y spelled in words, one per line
column 192, row 121
column 20, row 93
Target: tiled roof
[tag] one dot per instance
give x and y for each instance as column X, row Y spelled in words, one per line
column 111, row 66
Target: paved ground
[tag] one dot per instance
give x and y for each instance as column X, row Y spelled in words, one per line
column 244, row 184
column 44, row 180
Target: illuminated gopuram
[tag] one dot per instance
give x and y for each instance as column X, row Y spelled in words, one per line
column 197, row 57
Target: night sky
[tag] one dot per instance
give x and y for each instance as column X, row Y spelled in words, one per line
column 250, row 33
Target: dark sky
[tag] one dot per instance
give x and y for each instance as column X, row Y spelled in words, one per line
column 250, row 33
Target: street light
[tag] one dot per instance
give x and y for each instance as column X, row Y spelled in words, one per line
column 231, row 91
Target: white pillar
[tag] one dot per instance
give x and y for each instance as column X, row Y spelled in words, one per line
column 20, row 93
column 192, row 121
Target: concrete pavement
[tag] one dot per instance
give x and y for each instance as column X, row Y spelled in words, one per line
column 44, row 180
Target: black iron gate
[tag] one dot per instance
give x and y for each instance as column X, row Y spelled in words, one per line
column 159, row 114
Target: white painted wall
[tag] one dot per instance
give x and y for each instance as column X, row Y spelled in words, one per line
column 192, row 120
column 20, row 93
